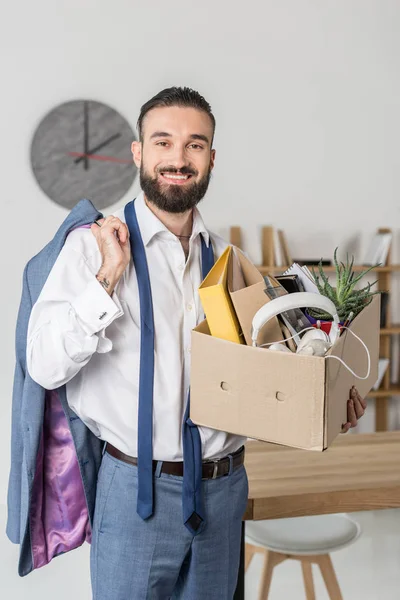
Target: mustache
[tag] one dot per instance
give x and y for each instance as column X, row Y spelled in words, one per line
column 182, row 171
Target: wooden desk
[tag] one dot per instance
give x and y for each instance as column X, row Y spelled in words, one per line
column 358, row 472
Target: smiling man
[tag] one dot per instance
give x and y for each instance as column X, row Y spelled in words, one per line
column 113, row 322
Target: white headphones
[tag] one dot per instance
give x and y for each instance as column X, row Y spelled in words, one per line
column 296, row 300
column 315, row 341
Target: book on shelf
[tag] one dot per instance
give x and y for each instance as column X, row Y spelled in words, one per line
column 285, row 248
column 378, row 250
column 382, row 367
column 268, row 252
column 275, row 250
column 278, row 250
column 235, row 236
column 384, row 308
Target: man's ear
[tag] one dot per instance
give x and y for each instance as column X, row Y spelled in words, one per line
column 212, row 159
column 136, row 149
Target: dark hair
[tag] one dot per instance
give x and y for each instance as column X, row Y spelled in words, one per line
column 175, row 96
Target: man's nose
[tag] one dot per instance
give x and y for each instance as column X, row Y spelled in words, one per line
column 178, row 157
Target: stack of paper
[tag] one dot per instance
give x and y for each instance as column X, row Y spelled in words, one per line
column 304, row 276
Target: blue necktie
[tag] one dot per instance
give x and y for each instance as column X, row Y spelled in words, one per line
column 193, row 502
column 146, row 372
column 193, row 506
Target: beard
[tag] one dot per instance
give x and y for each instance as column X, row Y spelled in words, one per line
column 174, row 198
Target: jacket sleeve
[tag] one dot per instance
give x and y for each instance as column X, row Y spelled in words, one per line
column 67, row 323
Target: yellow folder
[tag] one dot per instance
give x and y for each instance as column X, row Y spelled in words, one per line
column 217, row 304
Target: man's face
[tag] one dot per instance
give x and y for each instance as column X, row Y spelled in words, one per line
column 175, row 157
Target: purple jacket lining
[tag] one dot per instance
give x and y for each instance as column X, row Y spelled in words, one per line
column 59, row 516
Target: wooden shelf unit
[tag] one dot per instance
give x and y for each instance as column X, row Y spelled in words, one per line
column 274, row 269
column 384, row 273
column 392, row 330
column 393, row 390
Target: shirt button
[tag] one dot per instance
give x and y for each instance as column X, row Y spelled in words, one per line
column 181, row 267
column 190, row 306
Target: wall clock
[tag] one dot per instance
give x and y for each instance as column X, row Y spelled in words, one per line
column 82, row 149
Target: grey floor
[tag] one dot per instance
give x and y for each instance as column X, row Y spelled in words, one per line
column 368, row 570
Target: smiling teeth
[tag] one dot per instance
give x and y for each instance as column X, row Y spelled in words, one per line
column 176, row 176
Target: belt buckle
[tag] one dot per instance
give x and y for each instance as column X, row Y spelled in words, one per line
column 215, row 469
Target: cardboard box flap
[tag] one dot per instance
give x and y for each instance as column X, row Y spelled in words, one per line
column 338, row 380
column 250, row 299
column 236, row 275
column 251, row 274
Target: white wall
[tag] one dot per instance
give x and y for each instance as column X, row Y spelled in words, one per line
column 305, row 93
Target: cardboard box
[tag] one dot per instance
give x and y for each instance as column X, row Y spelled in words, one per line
column 288, row 399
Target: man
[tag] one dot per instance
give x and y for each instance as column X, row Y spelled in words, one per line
column 113, row 322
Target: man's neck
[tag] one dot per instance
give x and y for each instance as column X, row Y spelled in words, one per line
column 179, row 224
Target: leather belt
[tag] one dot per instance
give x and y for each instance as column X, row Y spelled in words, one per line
column 211, row 469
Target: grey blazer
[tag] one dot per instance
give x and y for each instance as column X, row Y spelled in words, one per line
column 54, row 457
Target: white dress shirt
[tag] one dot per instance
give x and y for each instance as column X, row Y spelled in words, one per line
column 80, row 336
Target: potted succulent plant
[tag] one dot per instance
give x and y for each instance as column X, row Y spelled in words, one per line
column 345, row 296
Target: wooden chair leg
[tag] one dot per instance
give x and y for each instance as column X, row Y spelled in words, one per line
column 249, row 552
column 329, row 575
column 270, row 560
column 308, row 579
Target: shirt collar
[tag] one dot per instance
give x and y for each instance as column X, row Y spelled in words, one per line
column 199, row 227
column 150, row 225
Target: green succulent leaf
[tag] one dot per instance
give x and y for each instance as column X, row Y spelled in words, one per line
column 345, row 296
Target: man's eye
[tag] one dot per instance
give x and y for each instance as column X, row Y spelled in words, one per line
column 196, row 146
column 161, row 144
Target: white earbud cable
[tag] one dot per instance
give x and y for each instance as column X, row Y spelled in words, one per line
column 330, row 356
column 347, row 367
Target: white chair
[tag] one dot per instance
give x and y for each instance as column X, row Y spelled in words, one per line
column 307, row 539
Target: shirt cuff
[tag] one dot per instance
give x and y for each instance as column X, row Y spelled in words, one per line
column 95, row 309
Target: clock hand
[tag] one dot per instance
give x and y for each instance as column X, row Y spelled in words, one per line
column 93, row 150
column 100, row 157
column 86, row 134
